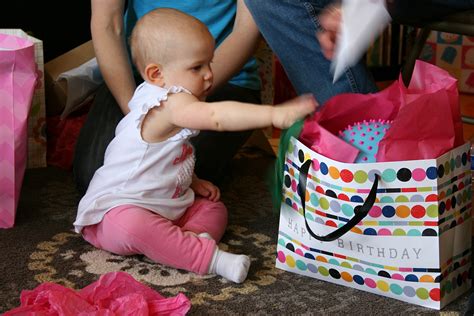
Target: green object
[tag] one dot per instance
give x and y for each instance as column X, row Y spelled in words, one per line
column 276, row 180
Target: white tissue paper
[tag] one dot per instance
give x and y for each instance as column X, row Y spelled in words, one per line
column 362, row 22
column 81, row 81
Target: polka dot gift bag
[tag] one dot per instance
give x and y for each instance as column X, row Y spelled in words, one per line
column 376, row 193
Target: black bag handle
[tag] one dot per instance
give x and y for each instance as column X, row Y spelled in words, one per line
column 360, row 211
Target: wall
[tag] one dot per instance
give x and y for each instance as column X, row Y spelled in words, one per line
column 61, row 25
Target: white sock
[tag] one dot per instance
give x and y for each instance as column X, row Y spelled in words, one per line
column 205, row 235
column 230, row 266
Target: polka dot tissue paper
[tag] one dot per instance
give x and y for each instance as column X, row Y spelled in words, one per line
column 365, row 218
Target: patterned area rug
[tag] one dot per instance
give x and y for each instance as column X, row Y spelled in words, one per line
column 43, row 248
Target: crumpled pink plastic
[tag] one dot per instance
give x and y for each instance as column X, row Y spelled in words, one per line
column 115, row 293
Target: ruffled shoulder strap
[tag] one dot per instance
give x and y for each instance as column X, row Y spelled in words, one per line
column 148, row 96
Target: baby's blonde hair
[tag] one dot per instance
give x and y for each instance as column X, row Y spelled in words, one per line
column 159, row 33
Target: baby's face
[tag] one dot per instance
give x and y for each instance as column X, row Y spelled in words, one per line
column 190, row 67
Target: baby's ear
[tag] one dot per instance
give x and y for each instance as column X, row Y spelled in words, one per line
column 154, row 74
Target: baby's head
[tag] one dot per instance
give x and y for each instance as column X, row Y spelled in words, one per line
column 170, row 48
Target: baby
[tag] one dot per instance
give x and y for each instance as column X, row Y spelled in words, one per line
column 146, row 199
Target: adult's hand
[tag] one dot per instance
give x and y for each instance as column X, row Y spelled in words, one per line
column 330, row 21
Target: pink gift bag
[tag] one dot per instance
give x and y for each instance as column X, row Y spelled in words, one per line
column 17, row 82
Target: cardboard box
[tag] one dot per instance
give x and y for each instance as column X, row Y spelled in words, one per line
column 56, row 89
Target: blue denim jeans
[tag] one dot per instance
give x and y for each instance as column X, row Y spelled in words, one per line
column 289, row 27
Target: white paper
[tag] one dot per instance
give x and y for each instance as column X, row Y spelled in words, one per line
column 81, row 81
column 362, row 22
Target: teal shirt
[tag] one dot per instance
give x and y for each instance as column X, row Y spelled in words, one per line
column 217, row 15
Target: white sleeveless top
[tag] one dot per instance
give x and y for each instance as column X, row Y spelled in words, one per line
column 155, row 176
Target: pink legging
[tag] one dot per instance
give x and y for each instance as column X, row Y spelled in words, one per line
column 129, row 229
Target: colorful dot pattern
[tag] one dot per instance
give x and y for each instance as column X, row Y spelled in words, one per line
column 415, row 206
column 365, row 136
column 463, row 215
column 375, row 231
column 422, row 275
column 369, row 177
column 388, row 228
column 383, row 195
column 399, row 209
column 414, row 171
column 324, row 271
column 452, row 263
column 431, row 191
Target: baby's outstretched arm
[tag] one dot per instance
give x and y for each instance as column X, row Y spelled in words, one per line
column 236, row 116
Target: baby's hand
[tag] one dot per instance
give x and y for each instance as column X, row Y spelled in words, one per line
column 206, row 189
column 285, row 114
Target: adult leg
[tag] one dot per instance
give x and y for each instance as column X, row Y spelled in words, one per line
column 95, row 136
column 215, row 150
column 289, row 27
